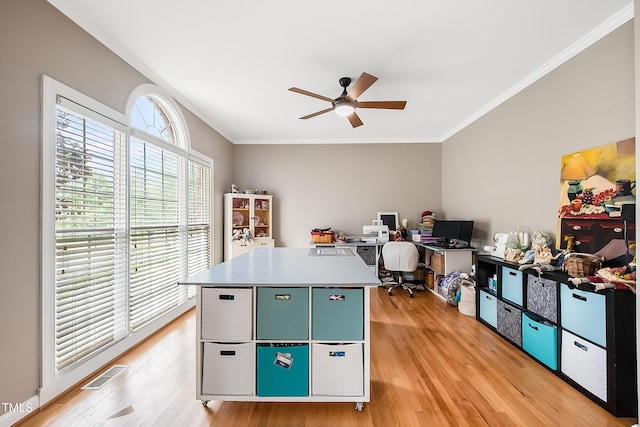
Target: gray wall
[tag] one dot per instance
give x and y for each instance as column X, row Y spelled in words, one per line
column 504, row 169
column 340, row 186
column 36, row 39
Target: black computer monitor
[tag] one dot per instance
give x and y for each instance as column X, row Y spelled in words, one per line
column 453, row 231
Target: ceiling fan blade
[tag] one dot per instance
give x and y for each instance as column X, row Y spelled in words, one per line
column 317, row 113
column 354, row 120
column 314, row 95
column 387, row 105
column 363, row 83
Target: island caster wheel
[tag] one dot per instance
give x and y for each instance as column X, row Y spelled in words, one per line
column 359, row 406
column 205, row 403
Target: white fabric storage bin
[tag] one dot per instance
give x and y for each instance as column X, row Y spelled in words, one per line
column 337, row 369
column 229, row 369
column 226, row 314
column 467, row 303
column 585, row 363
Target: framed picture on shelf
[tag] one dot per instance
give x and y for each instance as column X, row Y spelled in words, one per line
column 389, row 219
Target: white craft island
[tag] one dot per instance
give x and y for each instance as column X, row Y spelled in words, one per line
column 284, row 325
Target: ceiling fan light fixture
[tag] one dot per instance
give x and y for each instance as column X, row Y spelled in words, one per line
column 344, row 107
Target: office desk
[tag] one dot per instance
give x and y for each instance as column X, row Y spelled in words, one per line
column 449, row 259
column 260, row 311
column 442, row 260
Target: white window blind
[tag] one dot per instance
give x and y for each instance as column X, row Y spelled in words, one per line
column 157, row 216
column 199, row 217
column 90, row 233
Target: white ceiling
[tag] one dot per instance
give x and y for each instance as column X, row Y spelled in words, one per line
column 231, row 62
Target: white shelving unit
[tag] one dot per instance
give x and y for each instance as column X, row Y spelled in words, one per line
column 247, row 211
column 228, row 356
column 284, row 325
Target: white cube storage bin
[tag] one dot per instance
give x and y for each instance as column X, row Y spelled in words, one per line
column 585, row 363
column 229, row 369
column 337, row 369
column 226, row 314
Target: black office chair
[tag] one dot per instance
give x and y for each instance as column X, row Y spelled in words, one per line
column 400, row 257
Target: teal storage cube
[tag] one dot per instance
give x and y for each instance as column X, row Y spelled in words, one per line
column 489, row 308
column 540, row 340
column 584, row 314
column 511, row 285
column 337, row 314
column 282, row 370
column 283, row 314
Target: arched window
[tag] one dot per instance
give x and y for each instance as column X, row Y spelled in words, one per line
column 162, row 177
column 156, row 116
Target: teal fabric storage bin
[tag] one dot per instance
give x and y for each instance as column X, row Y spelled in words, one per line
column 283, row 314
column 584, row 314
column 540, row 340
column 337, row 314
column 275, row 376
column 511, row 285
column 489, row 308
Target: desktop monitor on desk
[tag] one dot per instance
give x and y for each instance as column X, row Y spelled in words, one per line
column 453, row 232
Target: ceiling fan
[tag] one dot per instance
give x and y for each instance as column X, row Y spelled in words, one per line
column 346, row 104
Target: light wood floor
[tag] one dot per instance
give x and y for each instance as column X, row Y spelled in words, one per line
column 430, row 366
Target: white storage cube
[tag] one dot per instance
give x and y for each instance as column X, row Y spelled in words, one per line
column 229, row 369
column 226, row 314
column 337, row 369
column 585, row 363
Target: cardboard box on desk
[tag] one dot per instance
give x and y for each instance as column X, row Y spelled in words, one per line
column 437, row 263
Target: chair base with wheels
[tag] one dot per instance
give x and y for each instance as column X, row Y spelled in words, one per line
column 399, row 283
column 400, row 257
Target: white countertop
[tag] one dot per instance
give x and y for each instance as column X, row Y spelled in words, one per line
column 287, row 267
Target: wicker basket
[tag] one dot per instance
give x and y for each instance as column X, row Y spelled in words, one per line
column 581, row 265
column 322, row 236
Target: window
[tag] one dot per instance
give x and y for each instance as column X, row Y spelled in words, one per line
column 126, row 215
column 90, row 233
column 155, row 116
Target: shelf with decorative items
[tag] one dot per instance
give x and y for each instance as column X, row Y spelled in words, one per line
column 248, row 223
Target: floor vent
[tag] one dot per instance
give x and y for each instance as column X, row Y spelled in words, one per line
column 105, row 377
